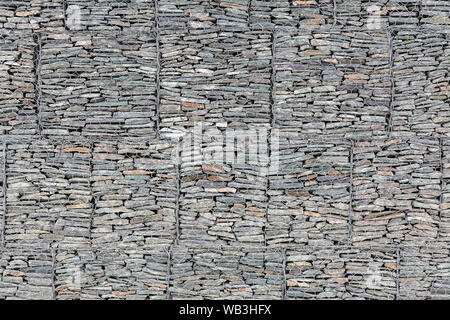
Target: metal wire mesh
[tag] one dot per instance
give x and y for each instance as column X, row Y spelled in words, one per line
column 224, row 149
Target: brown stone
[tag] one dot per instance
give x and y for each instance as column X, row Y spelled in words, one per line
column 79, row 149
column 213, row 168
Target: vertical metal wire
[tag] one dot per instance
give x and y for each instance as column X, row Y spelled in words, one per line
column 391, row 78
column 37, row 88
column 3, row 239
column 350, row 204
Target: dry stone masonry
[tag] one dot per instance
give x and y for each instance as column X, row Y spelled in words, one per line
column 332, row 83
column 18, row 96
column 130, row 275
column 310, row 192
column 397, row 190
column 221, row 78
column 232, row 273
column 224, row 149
column 98, row 85
column 222, row 202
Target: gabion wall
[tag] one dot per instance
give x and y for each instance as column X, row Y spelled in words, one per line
column 107, row 192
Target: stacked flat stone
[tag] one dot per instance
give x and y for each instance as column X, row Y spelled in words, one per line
column 69, row 174
column 135, row 16
column 393, row 14
column 98, row 85
column 220, row 78
column 435, row 14
column 48, row 199
column 332, row 84
column 226, row 273
column 25, row 275
column 309, row 191
column 424, row 273
column 341, row 273
column 134, row 188
column 287, row 14
column 27, row 16
column 198, row 14
column 396, row 191
column 379, row 14
column 421, row 67
column 105, row 275
column 18, row 115
column 221, row 202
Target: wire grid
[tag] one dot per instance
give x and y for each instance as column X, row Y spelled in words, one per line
column 309, row 191
column 98, row 85
column 134, row 185
column 127, row 16
column 397, row 190
column 296, row 272
column 2, row 195
column 105, row 275
column 47, row 195
column 287, row 14
column 325, row 80
column 29, row 16
column 220, row 78
column 223, row 187
column 424, row 273
column 421, row 99
column 26, row 275
column 200, row 260
column 202, row 14
column 17, row 90
column 341, row 273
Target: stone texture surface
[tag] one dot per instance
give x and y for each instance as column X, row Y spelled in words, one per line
column 226, row 273
column 117, row 275
column 221, row 78
column 134, row 189
column 48, row 199
column 29, row 16
column 200, row 14
column 397, row 190
column 341, row 273
column 291, row 14
column 332, row 83
column 444, row 226
column 309, row 193
column 422, row 93
column 424, row 273
column 101, row 15
column 233, row 149
column 98, row 85
column 221, row 202
column 393, row 14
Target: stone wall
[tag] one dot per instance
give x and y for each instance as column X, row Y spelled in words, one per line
column 117, row 119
